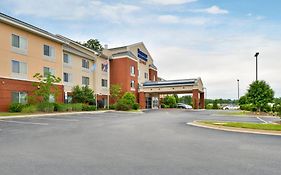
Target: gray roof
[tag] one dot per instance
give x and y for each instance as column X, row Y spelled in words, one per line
column 13, row 21
column 126, row 53
column 190, row 82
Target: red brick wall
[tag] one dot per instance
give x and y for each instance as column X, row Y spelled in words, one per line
column 120, row 74
column 152, row 73
column 7, row 86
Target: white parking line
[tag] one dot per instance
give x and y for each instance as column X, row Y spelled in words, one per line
column 58, row 119
column 262, row 120
column 26, row 123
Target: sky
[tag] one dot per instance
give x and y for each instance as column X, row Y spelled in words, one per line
column 212, row 39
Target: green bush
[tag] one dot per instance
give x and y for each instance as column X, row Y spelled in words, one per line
column 170, row 101
column 29, row 109
column 129, row 98
column 122, row 105
column 135, row 106
column 77, row 107
column 248, row 107
column 16, row 107
column 112, row 106
column 61, row 107
column 86, row 107
column 46, row 107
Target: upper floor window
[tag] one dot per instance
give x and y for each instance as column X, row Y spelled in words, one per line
column 132, row 70
column 104, row 83
column 19, row 43
column 48, row 70
column 85, row 64
column 49, row 51
column 146, row 75
column 86, row 81
column 104, row 67
column 19, row 67
column 19, row 97
column 66, row 58
column 66, row 77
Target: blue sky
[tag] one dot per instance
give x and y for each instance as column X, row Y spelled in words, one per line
column 212, row 39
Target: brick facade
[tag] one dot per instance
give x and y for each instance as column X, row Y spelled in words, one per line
column 152, row 75
column 120, row 74
column 7, row 86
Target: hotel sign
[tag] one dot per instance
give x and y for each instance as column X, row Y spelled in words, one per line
column 142, row 55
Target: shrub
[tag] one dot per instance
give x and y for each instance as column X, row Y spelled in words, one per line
column 16, row 107
column 29, row 109
column 77, row 107
column 170, row 101
column 46, row 107
column 122, row 105
column 135, row 106
column 69, row 107
column 129, row 98
column 248, row 107
column 112, row 106
column 86, row 107
column 61, row 107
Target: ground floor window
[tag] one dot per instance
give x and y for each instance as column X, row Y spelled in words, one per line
column 104, row 83
column 19, row 97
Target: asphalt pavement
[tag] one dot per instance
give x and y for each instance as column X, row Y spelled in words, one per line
column 149, row 143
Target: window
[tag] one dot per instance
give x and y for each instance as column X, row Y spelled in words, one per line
column 19, row 67
column 52, row 98
column 86, row 81
column 48, row 70
column 49, row 51
column 19, row 42
column 104, row 83
column 66, row 58
column 146, row 75
column 66, row 77
column 85, row 64
column 132, row 70
column 104, row 67
column 19, row 97
column 132, row 84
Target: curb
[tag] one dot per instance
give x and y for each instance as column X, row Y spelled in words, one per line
column 229, row 129
column 51, row 114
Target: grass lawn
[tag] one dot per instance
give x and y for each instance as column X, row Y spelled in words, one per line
column 271, row 127
column 2, row 114
column 236, row 113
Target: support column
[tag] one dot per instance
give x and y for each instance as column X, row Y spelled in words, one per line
column 202, row 100
column 195, row 99
column 142, row 100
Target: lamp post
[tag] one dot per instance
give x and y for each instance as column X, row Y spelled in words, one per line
column 256, row 55
column 238, row 89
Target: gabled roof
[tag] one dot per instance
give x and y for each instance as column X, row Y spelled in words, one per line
column 123, row 47
column 126, row 53
column 76, row 43
column 28, row 27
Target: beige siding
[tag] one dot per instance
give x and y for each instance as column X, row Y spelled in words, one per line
column 34, row 57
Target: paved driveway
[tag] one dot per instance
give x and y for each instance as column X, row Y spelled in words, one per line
column 156, row 142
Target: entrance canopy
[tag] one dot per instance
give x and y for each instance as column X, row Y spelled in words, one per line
column 183, row 86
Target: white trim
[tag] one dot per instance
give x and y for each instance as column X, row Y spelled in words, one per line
column 131, row 58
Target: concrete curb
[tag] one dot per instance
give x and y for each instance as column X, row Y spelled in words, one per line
column 52, row 114
column 239, row 130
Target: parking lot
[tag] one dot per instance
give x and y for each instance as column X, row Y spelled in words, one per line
column 153, row 142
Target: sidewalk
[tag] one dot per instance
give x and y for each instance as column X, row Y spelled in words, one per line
column 52, row 114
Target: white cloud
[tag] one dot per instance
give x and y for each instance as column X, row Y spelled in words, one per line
column 168, row 2
column 73, row 9
column 171, row 19
column 214, row 10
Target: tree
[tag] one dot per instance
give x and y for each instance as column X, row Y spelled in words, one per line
column 170, row 101
column 215, row 104
column 46, row 86
column 186, row 100
column 93, row 44
column 243, row 100
column 83, row 95
column 115, row 92
column 260, row 94
column 176, row 97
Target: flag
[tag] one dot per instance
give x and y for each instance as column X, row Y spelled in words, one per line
column 93, row 68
